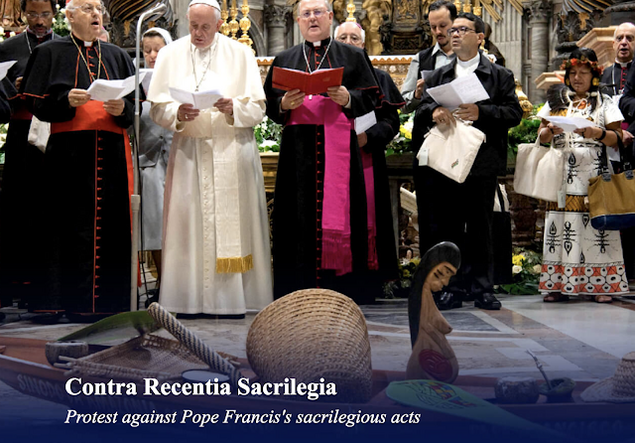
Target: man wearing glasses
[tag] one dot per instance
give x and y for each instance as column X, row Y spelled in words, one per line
column 462, row 213
column 21, row 185
column 87, row 167
column 321, row 236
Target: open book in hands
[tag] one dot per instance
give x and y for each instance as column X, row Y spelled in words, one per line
column 316, row 83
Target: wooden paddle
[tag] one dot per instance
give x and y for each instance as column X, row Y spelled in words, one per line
column 120, row 326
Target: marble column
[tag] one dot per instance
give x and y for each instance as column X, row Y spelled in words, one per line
column 539, row 11
column 276, row 21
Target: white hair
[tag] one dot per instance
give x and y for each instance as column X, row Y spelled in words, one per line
column 216, row 12
column 337, row 30
column 71, row 5
column 629, row 24
column 327, row 3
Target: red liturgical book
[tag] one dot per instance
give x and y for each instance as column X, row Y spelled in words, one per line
column 315, row 83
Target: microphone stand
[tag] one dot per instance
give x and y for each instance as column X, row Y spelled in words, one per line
column 135, row 199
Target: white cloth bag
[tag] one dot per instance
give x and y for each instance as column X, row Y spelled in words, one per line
column 539, row 171
column 39, row 133
column 451, row 149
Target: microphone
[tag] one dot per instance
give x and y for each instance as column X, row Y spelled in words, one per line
column 159, row 8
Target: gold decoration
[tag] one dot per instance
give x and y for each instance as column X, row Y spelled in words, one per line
column 245, row 24
column 375, row 11
column 458, row 5
column 351, row 10
column 525, row 104
column 478, row 11
column 233, row 24
column 583, row 16
column 234, row 264
column 224, row 15
column 467, row 7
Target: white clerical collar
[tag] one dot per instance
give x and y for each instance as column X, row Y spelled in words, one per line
column 317, row 44
column 88, row 44
column 622, row 65
column 438, row 48
column 469, row 63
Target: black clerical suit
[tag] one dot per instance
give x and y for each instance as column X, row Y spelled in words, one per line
column 88, row 177
column 462, row 213
column 299, row 193
column 378, row 136
column 20, row 197
column 619, row 80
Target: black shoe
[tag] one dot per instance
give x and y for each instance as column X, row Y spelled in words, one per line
column 487, row 301
column 448, row 300
column 153, row 295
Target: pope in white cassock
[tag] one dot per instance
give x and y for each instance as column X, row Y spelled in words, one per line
column 215, row 232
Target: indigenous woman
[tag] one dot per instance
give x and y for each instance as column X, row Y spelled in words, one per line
column 154, row 150
column 577, row 258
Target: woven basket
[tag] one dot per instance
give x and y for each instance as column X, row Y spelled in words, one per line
column 313, row 334
column 147, row 356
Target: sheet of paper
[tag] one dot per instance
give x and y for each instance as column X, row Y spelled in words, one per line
column 466, row 89
column 148, row 77
column 200, row 100
column 425, row 73
column 365, row 122
column 570, row 124
column 104, row 90
column 4, row 68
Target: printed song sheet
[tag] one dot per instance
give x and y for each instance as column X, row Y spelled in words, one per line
column 463, row 90
column 200, row 100
column 104, row 90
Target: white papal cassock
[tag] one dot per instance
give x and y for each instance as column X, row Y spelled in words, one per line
column 216, row 256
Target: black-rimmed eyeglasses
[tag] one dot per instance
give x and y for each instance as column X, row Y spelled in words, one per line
column 462, row 30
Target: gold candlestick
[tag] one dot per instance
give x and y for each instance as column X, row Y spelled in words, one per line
column 233, row 24
column 351, row 10
column 245, row 24
column 224, row 15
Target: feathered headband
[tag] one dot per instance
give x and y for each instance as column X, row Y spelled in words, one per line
column 595, row 67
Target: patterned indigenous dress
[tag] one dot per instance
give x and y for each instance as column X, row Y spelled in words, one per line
column 578, row 259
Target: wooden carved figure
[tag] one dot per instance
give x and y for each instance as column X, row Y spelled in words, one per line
column 432, row 356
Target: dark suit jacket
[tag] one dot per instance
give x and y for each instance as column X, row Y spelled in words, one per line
column 496, row 114
column 627, row 103
column 612, row 84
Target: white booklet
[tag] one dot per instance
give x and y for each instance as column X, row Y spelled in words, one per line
column 463, row 90
column 425, row 73
column 5, row 66
column 104, row 90
column 200, row 100
column 147, row 73
column 364, row 122
column 569, row 124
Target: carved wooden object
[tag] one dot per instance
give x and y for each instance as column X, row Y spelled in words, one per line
column 432, row 356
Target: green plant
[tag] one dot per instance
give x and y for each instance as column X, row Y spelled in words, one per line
column 526, row 268
column 268, row 135
column 402, row 141
column 525, row 132
column 60, row 24
column 401, row 287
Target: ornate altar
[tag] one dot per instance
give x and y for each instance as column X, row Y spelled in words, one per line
column 405, row 30
column 124, row 15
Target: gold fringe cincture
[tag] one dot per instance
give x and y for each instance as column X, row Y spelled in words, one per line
column 229, row 265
